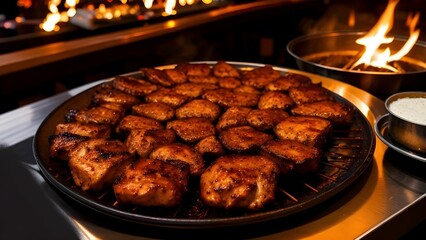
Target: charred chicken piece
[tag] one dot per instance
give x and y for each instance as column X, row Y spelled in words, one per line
column 290, row 80
column 131, row 122
column 227, row 98
column 89, row 130
column 157, row 76
column 264, row 119
column 176, row 75
column 311, row 131
column 198, row 108
column 233, row 117
column 108, row 94
column 96, row 115
column 155, row 110
column 194, row 69
column 192, row 129
column 293, row 156
column 193, row 90
column 243, row 139
column 260, row 77
column 133, row 86
column 229, row 82
column 239, row 181
column 275, row 100
column 209, row 146
column 338, row 113
column 142, row 142
column 167, row 96
column 308, row 94
column 180, row 152
column 151, row 183
column 96, row 163
column 203, row 79
column 60, row 145
column 223, row 69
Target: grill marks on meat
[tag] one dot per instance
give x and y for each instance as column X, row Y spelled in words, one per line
column 239, row 181
column 96, row 163
column 152, row 136
column 150, row 182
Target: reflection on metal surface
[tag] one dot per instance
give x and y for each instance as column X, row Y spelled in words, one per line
column 407, row 171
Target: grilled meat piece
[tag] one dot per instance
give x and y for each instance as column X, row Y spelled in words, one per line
column 131, row 122
column 133, row 86
column 311, row 131
column 308, row 94
column 238, row 181
column 209, row 146
column 288, row 81
column 61, row 144
column 233, row 117
column 96, row 115
column 150, row 182
column 260, row 77
column 157, row 76
column 275, row 100
column 198, row 108
column 180, row 152
column 167, row 96
column 176, row 75
column 193, row 90
column 264, row 119
column 229, row 82
column 203, row 79
column 226, row 98
column 90, row 130
column 293, row 156
column 338, row 113
column 96, row 163
column 192, row 129
column 223, row 69
column 194, row 69
column 247, row 89
column 243, row 139
column 142, row 142
column 107, row 94
column 155, row 110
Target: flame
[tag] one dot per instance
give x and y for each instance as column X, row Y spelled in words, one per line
column 372, row 41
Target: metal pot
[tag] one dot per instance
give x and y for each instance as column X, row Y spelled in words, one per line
column 404, row 131
column 376, row 83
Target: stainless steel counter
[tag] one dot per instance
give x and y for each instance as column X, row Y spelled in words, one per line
column 383, row 204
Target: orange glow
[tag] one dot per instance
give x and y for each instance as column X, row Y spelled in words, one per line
column 376, row 57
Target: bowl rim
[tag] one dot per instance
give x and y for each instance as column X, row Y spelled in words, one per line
column 406, row 94
column 309, row 36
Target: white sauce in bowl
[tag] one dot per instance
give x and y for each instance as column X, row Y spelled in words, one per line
column 410, row 109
